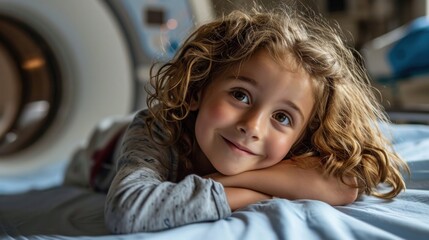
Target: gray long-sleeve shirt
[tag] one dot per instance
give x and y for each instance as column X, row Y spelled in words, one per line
column 145, row 194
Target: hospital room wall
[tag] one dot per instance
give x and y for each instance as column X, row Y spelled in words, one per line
column 363, row 21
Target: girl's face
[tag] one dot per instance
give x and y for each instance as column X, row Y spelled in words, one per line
column 250, row 116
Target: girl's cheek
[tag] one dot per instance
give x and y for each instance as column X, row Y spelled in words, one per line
column 279, row 146
column 219, row 111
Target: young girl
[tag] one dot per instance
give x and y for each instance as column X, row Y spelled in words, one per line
column 253, row 106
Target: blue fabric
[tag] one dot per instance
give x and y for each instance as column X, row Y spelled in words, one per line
column 409, row 56
column 66, row 212
column 75, row 213
column 41, row 178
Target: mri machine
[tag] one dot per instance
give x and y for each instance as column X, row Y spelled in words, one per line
column 65, row 65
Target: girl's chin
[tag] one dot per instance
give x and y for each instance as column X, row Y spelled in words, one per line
column 229, row 172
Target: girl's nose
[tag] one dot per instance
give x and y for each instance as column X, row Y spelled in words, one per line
column 252, row 125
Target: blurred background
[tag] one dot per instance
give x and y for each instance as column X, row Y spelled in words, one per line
column 67, row 66
column 363, row 19
column 374, row 28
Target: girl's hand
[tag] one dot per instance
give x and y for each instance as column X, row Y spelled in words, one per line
column 227, row 181
column 241, row 197
column 239, row 180
column 237, row 197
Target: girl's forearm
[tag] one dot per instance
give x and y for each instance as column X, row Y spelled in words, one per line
column 241, row 197
column 286, row 180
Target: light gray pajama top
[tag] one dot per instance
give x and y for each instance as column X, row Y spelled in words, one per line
column 145, row 195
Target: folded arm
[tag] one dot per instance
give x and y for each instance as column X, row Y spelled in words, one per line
column 145, row 196
column 287, row 180
column 240, row 197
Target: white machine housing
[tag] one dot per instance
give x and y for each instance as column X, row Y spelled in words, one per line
column 101, row 53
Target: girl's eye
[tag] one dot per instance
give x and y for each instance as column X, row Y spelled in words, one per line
column 282, row 118
column 241, row 96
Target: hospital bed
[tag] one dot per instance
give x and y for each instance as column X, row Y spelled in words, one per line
column 40, row 206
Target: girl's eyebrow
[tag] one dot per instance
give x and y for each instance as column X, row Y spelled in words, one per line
column 246, row 79
column 255, row 83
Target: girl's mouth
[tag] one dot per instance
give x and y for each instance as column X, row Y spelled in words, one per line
column 238, row 148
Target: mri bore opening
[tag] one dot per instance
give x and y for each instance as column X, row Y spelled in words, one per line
column 30, row 86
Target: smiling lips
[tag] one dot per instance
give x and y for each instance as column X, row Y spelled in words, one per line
column 238, row 147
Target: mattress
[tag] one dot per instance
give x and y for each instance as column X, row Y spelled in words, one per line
column 38, row 206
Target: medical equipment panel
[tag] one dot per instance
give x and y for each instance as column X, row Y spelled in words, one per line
column 155, row 29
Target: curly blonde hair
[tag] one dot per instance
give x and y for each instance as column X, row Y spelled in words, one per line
column 344, row 128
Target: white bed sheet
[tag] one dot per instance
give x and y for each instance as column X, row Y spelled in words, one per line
column 61, row 212
column 74, row 213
